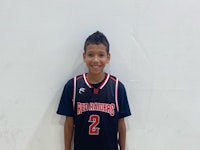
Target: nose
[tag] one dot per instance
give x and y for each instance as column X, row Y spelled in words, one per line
column 96, row 58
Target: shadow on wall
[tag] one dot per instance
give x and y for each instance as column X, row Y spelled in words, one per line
column 49, row 132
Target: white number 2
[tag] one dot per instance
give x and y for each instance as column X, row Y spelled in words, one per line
column 93, row 129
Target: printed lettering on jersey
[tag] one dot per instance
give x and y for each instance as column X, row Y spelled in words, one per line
column 103, row 107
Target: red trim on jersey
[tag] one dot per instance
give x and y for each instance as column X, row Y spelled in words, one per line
column 104, row 81
column 114, row 79
column 86, row 81
column 116, row 94
column 79, row 77
column 74, row 92
column 96, row 90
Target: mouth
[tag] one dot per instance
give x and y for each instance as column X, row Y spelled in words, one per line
column 95, row 66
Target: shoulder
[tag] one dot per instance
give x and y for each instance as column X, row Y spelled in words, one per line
column 112, row 77
column 70, row 82
column 78, row 77
column 116, row 79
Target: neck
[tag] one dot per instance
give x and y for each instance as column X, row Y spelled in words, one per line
column 94, row 79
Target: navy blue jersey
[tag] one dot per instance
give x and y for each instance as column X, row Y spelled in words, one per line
column 96, row 110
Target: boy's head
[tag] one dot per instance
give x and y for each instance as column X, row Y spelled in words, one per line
column 97, row 38
column 96, row 53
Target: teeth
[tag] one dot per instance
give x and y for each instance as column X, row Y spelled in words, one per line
column 95, row 66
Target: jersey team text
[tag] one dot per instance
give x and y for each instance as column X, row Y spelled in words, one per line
column 103, row 107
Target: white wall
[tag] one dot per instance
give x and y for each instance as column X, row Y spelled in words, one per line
column 155, row 52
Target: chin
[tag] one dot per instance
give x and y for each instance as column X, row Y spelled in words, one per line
column 96, row 72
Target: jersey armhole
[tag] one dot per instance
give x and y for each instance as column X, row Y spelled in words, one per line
column 74, row 92
column 116, row 94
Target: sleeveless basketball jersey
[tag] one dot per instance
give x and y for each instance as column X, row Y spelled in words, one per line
column 95, row 114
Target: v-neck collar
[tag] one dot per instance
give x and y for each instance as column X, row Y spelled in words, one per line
column 101, row 84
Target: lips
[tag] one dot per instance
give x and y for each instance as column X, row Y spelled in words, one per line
column 96, row 67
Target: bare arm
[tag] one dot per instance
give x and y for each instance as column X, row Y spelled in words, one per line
column 122, row 133
column 68, row 132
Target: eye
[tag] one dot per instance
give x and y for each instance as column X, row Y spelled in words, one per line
column 101, row 55
column 90, row 55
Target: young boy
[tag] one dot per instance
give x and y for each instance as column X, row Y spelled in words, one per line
column 95, row 103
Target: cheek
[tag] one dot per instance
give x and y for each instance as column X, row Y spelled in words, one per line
column 108, row 60
column 87, row 61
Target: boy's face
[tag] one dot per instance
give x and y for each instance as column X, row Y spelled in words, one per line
column 96, row 58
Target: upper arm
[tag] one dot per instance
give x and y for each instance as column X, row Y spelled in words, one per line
column 121, row 124
column 69, row 122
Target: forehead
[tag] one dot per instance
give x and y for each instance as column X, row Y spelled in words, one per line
column 96, row 47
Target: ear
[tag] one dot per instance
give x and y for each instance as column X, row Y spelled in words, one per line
column 108, row 58
column 84, row 55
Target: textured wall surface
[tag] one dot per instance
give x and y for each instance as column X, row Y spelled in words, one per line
column 155, row 52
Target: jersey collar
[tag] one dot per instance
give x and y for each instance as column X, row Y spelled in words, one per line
column 105, row 80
